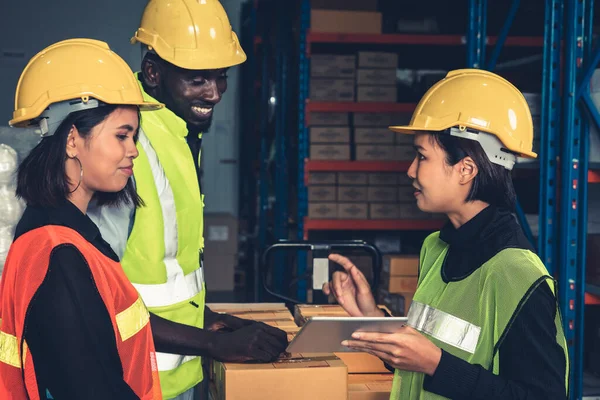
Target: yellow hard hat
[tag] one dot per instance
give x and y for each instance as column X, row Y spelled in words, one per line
column 72, row 69
column 191, row 34
column 478, row 100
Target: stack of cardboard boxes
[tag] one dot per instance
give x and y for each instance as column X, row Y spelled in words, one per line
column 399, row 278
column 368, row 378
column 376, row 77
column 362, row 195
column 294, row 376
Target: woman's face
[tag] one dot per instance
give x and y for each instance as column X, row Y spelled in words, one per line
column 438, row 187
column 107, row 154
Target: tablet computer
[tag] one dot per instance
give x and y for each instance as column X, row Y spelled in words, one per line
column 325, row 334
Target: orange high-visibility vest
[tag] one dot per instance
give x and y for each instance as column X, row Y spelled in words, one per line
column 24, row 272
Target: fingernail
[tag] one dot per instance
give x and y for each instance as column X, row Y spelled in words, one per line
column 345, row 343
column 356, row 335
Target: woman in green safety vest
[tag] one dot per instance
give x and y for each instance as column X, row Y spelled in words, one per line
column 484, row 322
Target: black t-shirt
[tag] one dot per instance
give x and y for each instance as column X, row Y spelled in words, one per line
column 532, row 364
column 67, row 327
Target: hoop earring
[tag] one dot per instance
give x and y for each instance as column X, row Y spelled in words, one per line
column 80, row 175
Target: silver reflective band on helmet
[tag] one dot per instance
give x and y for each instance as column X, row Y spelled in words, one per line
column 56, row 113
column 492, row 146
column 444, row 327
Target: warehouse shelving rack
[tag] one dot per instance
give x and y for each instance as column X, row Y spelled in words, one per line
column 562, row 224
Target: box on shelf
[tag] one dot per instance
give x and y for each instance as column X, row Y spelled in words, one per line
column 404, row 152
column 322, row 178
column 351, row 194
column 374, row 153
column 399, row 284
column 221, row 233
column 332, row 66
column 334, row 21
column 411, row 211
column 376, row 77
column 404, row 179
column 322, row 193
column 373, row 136
column 332, row 89
column 322, row 210
column 400, row 265
column 384, row 211
column 382, row 194
column 406, row 194
column 379, row 94
column 403, row 139
column 383, row 178
column 330, row 152
column 330, row 134
column 353, row 210
column 352, row 178
column 372, row 119
column 376, row 59
column 328, row 119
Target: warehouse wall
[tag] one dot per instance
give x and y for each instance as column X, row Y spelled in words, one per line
column 27, row 26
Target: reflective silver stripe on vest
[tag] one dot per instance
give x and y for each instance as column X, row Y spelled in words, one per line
column 444, row 327
column 178, row 288
column 167, row 361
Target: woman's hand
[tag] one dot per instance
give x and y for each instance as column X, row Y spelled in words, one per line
column 351, row 290
column 406, row 349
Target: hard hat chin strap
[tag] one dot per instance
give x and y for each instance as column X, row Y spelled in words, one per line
column 492, row 146
column 56, row 113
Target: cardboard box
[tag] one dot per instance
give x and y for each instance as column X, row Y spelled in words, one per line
column 404, row 179
column 230, row 308
column 383, row 179
column 345, row 21
column 372, row 119
column 374, row 153
column 373, row 136
column 330, row 134
column 330, row 152
column 322, row 210
column 350, row 194
column 328, row 119
column 376, row 77
column 332, row 66
column 383, row 194
column 221, row 233
column 219, row 270
column 380, row 94
column 352, row 178
column 384, row 211
column 322, row 178
column 404, row 139
column 322, row 193
column 376, row 59
column 400, row 265
column 302, row 312
column 284, row 379
column 406, row 194
column 370, row 386
column 404, row 153
column 352, row 210
column 411, row 211
column 332, row 89
column 399, row 284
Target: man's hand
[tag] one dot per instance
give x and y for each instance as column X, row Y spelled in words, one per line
column 406, row 349
column 254, row 342
column 223, row 322
column 351, row 290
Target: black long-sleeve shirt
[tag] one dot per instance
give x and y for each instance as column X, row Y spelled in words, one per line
column 67, row 327
column 532, row 364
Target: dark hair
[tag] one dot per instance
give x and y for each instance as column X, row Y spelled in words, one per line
column 493, row 183
column 42, row 179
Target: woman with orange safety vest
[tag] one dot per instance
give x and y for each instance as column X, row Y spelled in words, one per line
column 71, row 324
